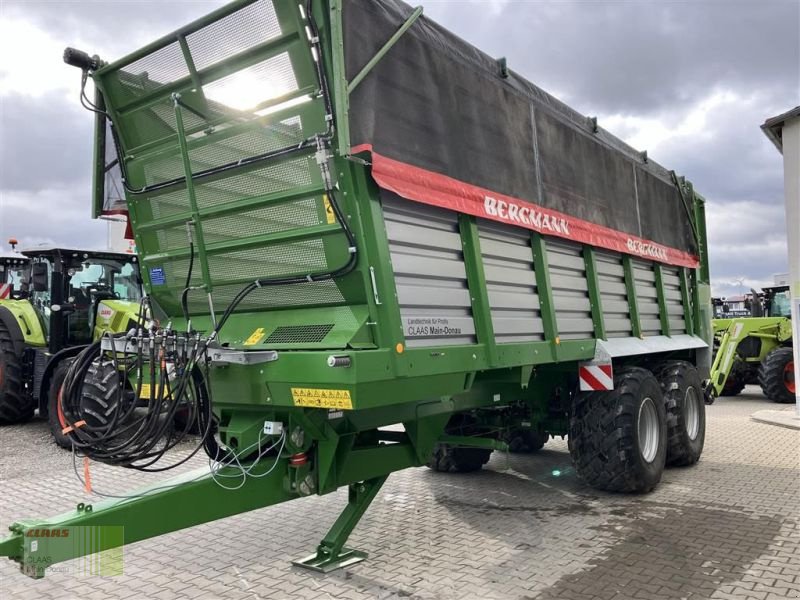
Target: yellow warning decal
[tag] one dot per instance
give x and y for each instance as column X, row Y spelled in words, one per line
column 317, row 398
column 330, row 216
column 144, row 393
column 255, row 337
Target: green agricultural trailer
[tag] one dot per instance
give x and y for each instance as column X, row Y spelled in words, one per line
column 756, row 349
column 368, row 246
column 68, row 299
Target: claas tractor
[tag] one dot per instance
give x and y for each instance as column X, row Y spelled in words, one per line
column 70, row 298
column 756, row 349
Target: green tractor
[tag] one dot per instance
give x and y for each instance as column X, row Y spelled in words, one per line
column 756, row 349
column 72, row 298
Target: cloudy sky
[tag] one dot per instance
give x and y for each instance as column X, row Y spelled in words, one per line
column 689, row 81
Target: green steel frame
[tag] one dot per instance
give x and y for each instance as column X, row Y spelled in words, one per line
column 387, row 382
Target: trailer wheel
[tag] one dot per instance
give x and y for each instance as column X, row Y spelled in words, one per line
column 776, row 376
column 456, row 459
column 459, row 459
column 55, row 413
column 685, row 408
column 618, row 438
column 15, row 405
column 526, row 441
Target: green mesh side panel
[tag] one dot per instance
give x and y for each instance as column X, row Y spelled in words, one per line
column 247, row 85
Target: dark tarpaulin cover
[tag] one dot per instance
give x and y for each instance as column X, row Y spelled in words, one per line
column 436, row 103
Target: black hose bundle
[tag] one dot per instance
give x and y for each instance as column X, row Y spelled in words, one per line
column 110, row 420
column 124, row 433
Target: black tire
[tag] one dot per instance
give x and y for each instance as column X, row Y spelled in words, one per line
column 458, row 459
column 735, row 382
column 455, row 459
column 100, row 395
column 53, row 413
column 526, row 441
column 16, row 406
column 185, row 421
column 606, row 439
column 686, row 411
column 776, row 376
column 737, row 378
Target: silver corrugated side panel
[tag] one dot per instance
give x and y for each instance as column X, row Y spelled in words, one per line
column 644, row 278
column 431, row 280
column 570, row 290
column 511, row 282
column 673, row 298
column 613, row 295
column 434, row 298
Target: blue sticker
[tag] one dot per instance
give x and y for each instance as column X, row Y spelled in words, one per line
column 157, row 276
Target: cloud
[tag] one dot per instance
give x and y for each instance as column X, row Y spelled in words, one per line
column 749, row 244
column 639, row 57
column 46, row 142
column 688, row 81
column 57, row 216
column 27, row 53
column 111, row 29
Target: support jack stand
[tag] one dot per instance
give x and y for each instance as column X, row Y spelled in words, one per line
column 331, row 553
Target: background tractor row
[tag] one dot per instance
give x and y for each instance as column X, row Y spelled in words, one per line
column 62, row 300
column 756, row 348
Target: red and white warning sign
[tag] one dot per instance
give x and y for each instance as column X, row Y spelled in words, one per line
column 5, row 291
column 596, row 377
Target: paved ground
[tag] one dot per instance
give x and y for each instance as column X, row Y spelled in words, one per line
column 781, row 417
column 726, row 528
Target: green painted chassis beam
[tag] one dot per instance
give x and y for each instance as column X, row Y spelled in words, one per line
column 181, row 502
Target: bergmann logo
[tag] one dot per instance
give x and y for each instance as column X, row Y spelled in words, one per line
column 645, row 249
column 510, row 211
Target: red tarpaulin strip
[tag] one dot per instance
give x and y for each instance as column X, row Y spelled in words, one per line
column 427, row 187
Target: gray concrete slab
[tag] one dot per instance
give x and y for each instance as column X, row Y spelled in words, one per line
column 787, row 417
column 526, row 527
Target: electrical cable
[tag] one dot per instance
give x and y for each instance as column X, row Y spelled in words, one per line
column 215, row 466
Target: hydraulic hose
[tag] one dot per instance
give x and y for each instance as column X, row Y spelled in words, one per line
column 134, row 437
